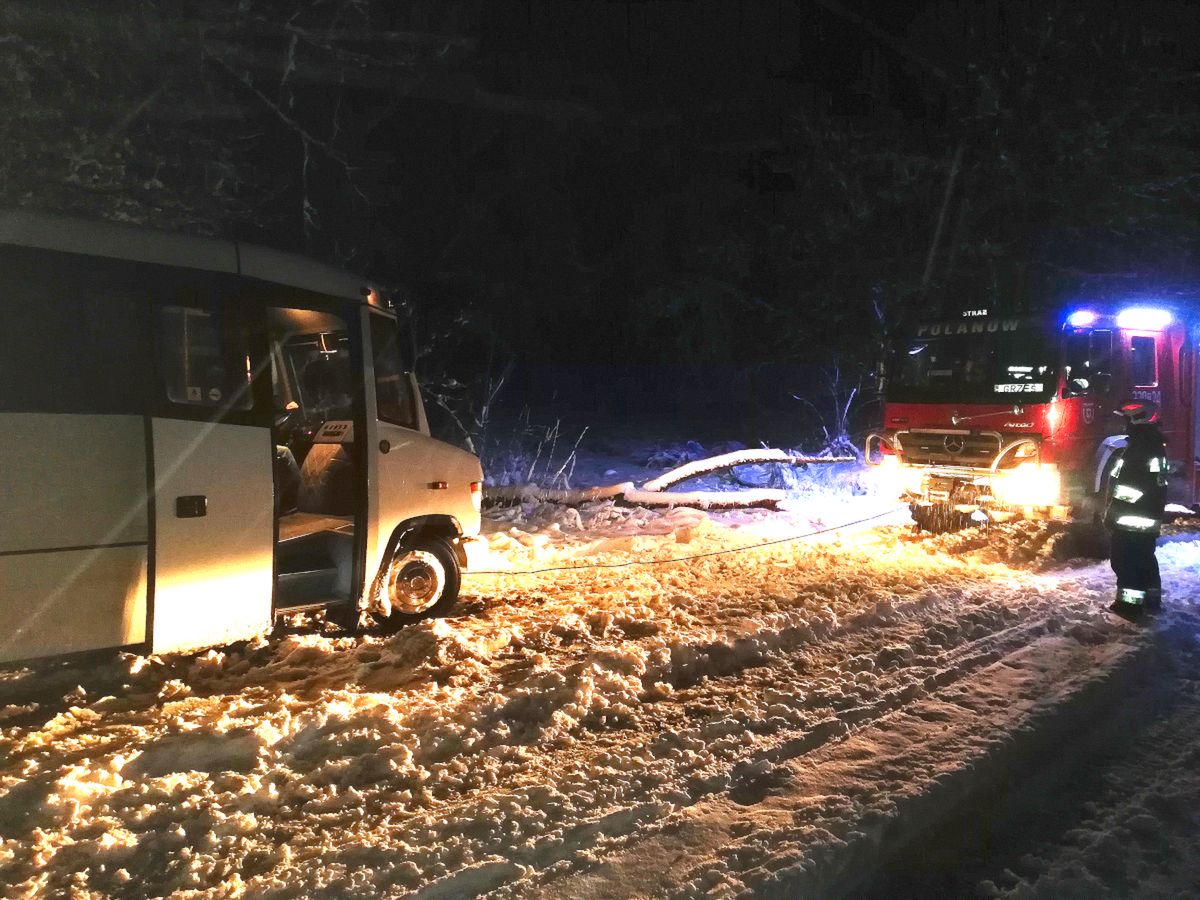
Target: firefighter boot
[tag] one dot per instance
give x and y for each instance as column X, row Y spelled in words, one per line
column 1130, row 603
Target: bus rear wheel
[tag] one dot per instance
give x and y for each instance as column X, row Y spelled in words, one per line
column 422, row 580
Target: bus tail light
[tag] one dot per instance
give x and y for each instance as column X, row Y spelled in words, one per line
column 477, row 494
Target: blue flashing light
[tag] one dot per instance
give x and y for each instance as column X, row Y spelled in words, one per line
column 1081, row 318
column 1144, row 318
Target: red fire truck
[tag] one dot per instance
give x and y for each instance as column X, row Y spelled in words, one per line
column 992, row 417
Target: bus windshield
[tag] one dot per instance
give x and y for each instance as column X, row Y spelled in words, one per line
column 996, row 367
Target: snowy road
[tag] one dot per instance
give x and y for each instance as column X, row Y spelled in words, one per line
column 1119, row 814
column 783, row 721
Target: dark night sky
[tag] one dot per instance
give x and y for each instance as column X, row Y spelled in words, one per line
column 704, row 202
column 679, row 206
column 669, row 110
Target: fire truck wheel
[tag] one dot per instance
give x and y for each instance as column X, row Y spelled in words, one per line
column 422, row 580
column 1083, row 540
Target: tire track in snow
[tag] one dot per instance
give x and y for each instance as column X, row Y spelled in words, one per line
column 1113, row 813
column 450, row 816
column 900, row 689
column 840, row 809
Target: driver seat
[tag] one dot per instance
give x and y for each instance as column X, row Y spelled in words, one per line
column 327, row 474
column 327, row 481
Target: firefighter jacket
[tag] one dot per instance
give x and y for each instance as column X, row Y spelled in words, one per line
column 1138, row 485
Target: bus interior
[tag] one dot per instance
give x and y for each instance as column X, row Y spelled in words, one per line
column 318, row 471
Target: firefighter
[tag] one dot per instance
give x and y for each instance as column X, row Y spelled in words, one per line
column 1134, row 515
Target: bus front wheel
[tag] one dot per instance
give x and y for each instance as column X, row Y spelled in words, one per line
column 422, row 580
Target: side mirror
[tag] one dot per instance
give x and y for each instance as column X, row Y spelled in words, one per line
column 418, row 404
column 1077, row 387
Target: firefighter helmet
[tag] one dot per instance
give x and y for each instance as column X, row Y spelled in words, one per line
column 1139, row 412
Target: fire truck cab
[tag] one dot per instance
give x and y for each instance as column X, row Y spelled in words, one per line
column 992, row 417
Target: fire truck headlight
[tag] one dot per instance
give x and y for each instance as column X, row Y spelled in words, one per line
column 895, row 479
column 1053, row 416
column 1028, row 485
column 912, row 481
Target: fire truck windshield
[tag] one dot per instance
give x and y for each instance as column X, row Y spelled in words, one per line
column 1017, row 365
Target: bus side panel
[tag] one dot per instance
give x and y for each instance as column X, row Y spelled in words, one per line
column 73, row 533
column 213, row 572
column 71, row 600
column 71, row 480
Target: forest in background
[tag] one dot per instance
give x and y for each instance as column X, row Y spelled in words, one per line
column 695, row 208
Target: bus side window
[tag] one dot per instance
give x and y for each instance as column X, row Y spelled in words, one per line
column 200, row 365
column 72, row 335
column 393, row 393
column 1144, row 361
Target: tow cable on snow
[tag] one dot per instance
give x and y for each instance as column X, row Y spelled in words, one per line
column 675, row 559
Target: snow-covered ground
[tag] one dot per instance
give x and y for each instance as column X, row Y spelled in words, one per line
column 785, row 720
column 1125, row 821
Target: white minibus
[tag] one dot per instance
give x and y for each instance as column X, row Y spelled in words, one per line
column 202, row 435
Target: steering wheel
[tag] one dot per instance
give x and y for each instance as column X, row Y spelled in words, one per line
column 286, row 422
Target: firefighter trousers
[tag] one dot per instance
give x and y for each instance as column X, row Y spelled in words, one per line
column 1134, row 562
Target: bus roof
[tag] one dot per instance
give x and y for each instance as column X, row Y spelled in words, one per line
column 51, row 231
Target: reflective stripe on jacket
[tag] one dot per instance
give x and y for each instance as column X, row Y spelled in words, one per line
column 1138, row 487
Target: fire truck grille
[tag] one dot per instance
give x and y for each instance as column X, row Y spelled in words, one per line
column 965, row 449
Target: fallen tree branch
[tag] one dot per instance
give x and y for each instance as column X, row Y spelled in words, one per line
column 628, row 495
column 763, row 498
column 737, row 458
column 518, row 493
column 652, row 493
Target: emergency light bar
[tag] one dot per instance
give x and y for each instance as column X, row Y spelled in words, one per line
column 1143, row 318
column 1134, row 318
column 1081, row 318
